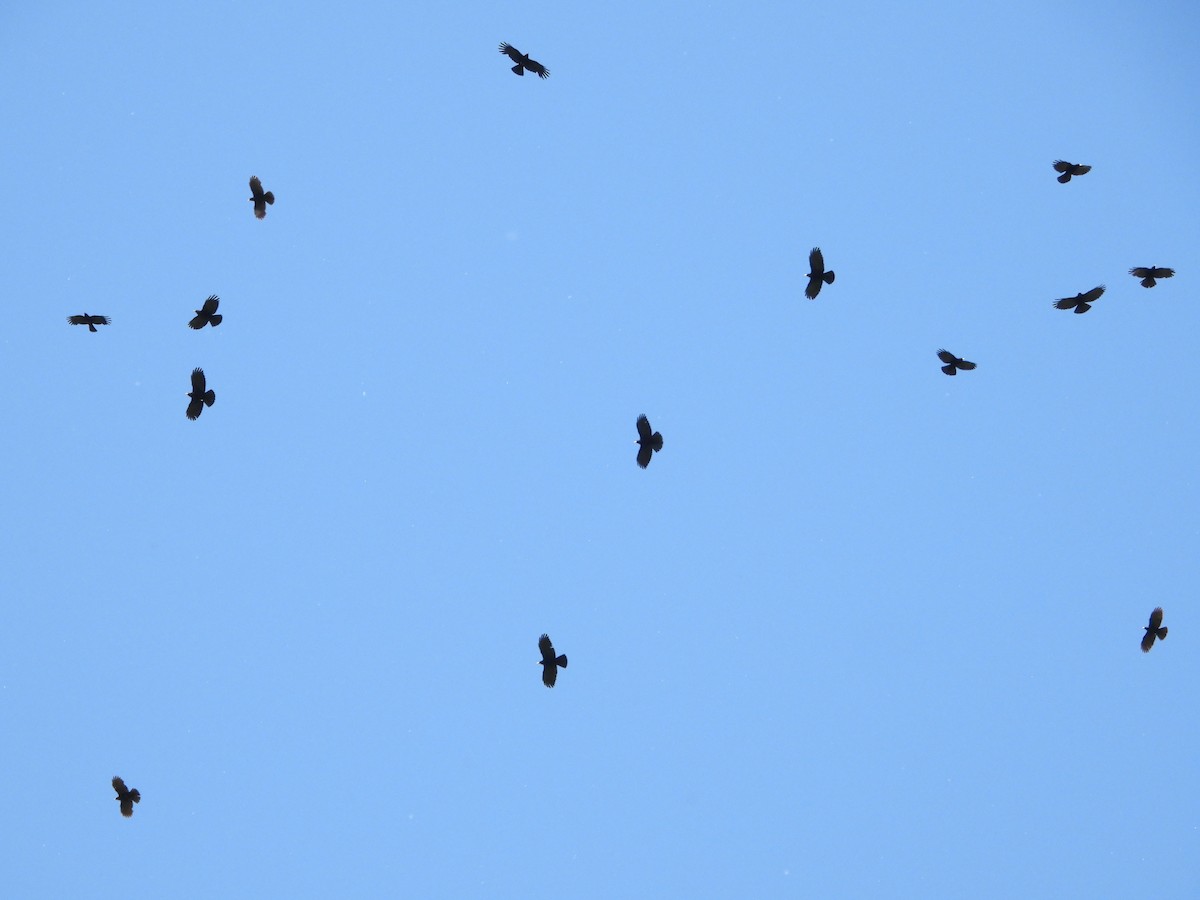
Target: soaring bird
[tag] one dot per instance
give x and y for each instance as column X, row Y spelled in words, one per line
column 1069, row 169
column 550, row 662
column 126, row 796
column 817, row 274
column 200, row 397
column 1149, row 273
column 1154, row 630
column 90, row 321
column 953, row 363
column 1081, row 303
column 649, row 441
column 260, row 199
column 207, row 314
column 523, row 62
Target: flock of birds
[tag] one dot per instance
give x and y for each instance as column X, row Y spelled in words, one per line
column 649, row 441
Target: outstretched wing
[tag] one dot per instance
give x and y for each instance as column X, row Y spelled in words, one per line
column 256, row 191
column 946, row 356
column 643, row 456
column 1156, row 618
column 198, row 322
column 537, row 69
column 511, row 52
column 964, row 365
column 1141, row 272
column 118, row 784
column 1067, row 303
column 1081, row 170
column 1162, row 273
column 549, row 673
column 645, row 432
column 210, row 305
column 816, row 262
column 198, row 381
column 1061, row 165
column 547, row 649
column 1147, row 641
column 1093, row 295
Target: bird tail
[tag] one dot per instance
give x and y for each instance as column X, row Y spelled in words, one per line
column 1064, row 177
column 1083, row 307
column 269, row 196
column 216, row 320
column 210, row 398
column 91, row 327
column 1147, row 282
column 949, row 370
column 1162, row 633
column 829, row 277
column 135, row 795
column 562, row 660
column 657, row 441
column 519, row 69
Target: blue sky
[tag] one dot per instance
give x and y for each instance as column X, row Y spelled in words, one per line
column 859, row 630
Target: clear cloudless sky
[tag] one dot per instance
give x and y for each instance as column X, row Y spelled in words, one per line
column 860, row 630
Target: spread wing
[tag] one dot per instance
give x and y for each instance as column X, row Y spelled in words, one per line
column 1068, row 303
column 1081, row 170
column 1061, row 165
column 1162, row 273
column 1147, row 641
column 547, row 650
column 198, row 322
column 198, row 381
column 1156, row 618
column 256, row 190
column 816, row 262
column 965, row 366
column 645, row 432
column 644, row 453
column 549, row 673
column 946, row 356
column 194, row 409
column 210, row 305
column 1093, row 295
column 537, row 69
column 119, row 785
column 511, row 52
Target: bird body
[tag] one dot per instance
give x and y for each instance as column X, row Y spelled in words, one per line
column 523, row 62
column 649, row 441
column 953, row 363
column 817, row 275
column 199, row 396
column 1069, row 169
column 1154, row 630
column 125, row 796
column 207, row 314
column 90, row 321
column 1148, row 274
column 1081, row 303
column 260, row 198
column 549, row 662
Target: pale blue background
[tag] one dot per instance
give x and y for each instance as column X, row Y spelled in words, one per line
column 859, row 631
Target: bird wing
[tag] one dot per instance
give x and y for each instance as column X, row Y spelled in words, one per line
column 1156, row 618
column 1061, row 165
column 119, row 785
column 1081, row 170
column 127, row 806
column 194, row 409
column 1093, row 295
column 946, row 356
column 644, row 453
column 547, row 650
column 1140, row 272
column 549, row 673
column 1162, row 273
column 816, row 262
column 77, row 320
column 198, row 381
column 511, row 52
column 198, row 322
column 1066, row 303
column 100, row 320
column 814, row 287
column 964, row 365
column 537, row 68
column 1147, row 641
column 645, row 432
column 210, row 305
column 256, row 190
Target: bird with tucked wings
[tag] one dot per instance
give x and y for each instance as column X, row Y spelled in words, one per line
column 817, row 275
column 207, row 314
column 199, row 396
column 1081, row 303
column 549, row 662
column 523, row 62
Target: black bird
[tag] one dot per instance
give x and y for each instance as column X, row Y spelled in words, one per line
column 1081, row 303
column 1069, row 169
column 200, row 397
column 817, row 274
column 550, row 662
column 1149, row 273
column 90, row 321
column 650, row 441
column 207, row 314
column 523, row 62
column 260, row 199
column 953, row 363
column 1154, row 630
column 126, row 796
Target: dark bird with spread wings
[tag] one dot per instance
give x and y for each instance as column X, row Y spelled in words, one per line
column 550, row 662
column 954, row 363
column 523, row 62
column 817, row 275
column 90, row 321
column 1148, row 274
column 199, row 396
column 259, row 198
column 649, row 441
column 207, row 314
column 126, row 796
column 1081, row 303
column 1154, row 630
column 1069, row 169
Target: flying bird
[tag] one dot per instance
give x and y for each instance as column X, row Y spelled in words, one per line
column 1081, row 303
column 817, row 276
column 126, row 796
column 953, row 363
column 200, row 397
column 550, row 662
column 207, row 314
column 649, row 441
column 1069, row 169
column 1154, row 630
column 1149, row 274
column 90, row 321
column 260, row 199
column 523, row 62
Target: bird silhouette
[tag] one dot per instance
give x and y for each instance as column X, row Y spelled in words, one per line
column 523, row 62
column 1081, row 303
column 1154, row 630
column 259, row 198
column 817, row 274
column 90, row 321
column 953, row 363
column 126, row 796
column 650, row 441
column 1069, row 169
column 199, row 396
column 207, row 314
column 550, row 663
column 1148, row 274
